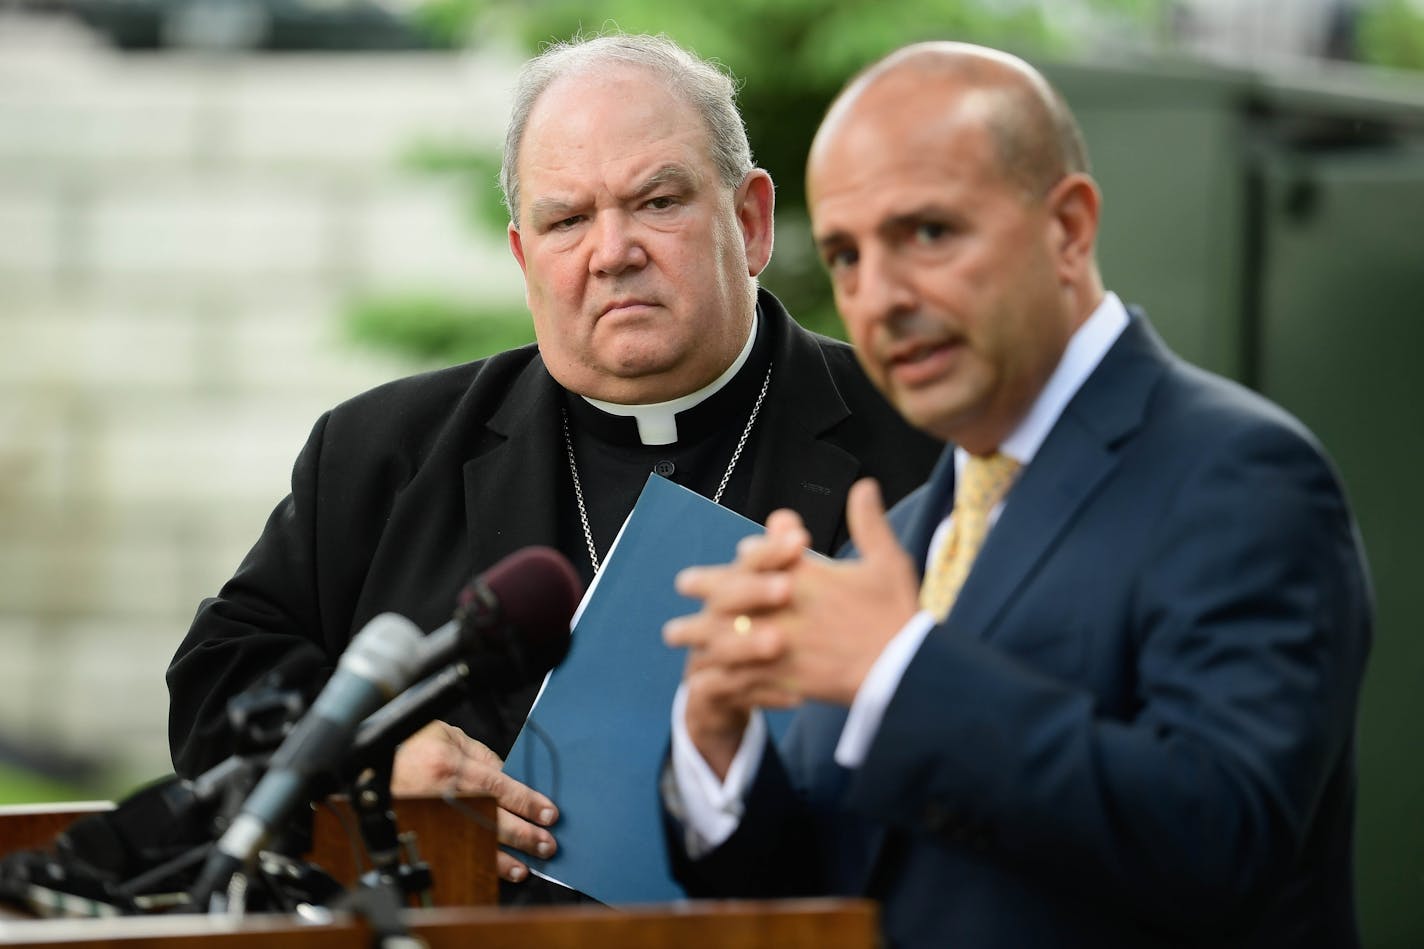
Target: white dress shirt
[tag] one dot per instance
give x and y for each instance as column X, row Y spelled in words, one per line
column 711, row 809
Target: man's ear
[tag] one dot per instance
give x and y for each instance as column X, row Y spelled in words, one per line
column 516, row 246
column 755, row 206
column 1074, row 204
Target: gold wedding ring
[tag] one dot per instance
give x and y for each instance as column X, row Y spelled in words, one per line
column 742, row 625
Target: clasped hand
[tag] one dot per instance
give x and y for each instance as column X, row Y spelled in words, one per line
column 779, row 625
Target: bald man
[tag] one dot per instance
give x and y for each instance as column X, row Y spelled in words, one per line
column 1095, row 683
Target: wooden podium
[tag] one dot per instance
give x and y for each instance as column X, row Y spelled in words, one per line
column 456, row 839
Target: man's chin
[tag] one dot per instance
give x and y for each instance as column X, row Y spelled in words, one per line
column 933, row 412
column 642, row 381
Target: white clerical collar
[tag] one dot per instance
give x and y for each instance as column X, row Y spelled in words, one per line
column 657, row 421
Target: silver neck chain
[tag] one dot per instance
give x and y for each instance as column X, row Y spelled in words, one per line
column 716, row 498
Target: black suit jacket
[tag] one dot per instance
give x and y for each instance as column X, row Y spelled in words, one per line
column 406, row 491
column 1135, row 727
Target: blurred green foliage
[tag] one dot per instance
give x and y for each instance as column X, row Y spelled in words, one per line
column 1391, row 33
column 20, row 786
column 436, row 329
column 477, row 171
column 425, row 325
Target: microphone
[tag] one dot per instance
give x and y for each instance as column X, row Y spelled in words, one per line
column 510, row 628
column 511, row 622
column 511, row 625
column 379, row 663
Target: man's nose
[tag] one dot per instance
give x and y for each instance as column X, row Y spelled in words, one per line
column 616, row 246
column 884, row 289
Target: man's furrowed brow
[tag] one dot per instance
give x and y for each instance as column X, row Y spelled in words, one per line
column 550, row 209
column 678, row 177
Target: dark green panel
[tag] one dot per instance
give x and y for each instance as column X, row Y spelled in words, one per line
column 1342, row 341
column 1167, row 150
column 1328, row 321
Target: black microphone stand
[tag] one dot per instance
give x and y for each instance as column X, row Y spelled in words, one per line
column 394, row 862
column 398, row 876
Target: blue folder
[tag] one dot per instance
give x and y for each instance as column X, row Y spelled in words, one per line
column 597, row 734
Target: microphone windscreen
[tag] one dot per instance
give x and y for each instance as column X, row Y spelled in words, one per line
column 537, row 591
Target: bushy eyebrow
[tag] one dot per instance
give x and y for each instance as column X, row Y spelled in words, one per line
column 679, row 177
column 895, row 224
column 550, row 209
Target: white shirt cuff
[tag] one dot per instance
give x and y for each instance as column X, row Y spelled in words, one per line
column 709, row 809
column 874, row 695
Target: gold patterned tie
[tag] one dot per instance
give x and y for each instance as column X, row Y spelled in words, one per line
column 983, row 484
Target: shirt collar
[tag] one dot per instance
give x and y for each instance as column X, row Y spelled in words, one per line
column 1085, row 350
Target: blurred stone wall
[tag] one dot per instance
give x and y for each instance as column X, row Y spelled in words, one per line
column 177, row 238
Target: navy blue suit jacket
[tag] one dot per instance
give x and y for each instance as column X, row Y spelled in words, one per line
column 1135, row 726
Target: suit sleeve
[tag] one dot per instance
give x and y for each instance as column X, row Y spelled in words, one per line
column 772, row 853
column 1246, row 629
column 264, row 622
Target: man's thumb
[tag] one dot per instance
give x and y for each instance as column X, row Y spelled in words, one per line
column 865, row 516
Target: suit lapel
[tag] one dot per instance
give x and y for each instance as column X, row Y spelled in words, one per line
column 511, row 491
column 1079, row 454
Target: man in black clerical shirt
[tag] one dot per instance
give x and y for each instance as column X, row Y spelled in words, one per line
column 640, row 224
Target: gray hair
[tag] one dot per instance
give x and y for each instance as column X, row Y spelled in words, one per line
column 708, row 87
